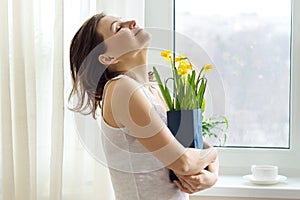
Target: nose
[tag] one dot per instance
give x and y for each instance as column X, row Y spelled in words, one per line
column 130, row 24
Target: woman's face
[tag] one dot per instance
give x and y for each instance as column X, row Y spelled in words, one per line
column 122, row 37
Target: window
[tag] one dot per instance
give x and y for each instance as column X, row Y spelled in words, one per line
column 249, row 44
column 160, row 15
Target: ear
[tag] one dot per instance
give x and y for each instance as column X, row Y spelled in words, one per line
column 107, row 60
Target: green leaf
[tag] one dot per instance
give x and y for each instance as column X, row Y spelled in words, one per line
column 168, row 99
column 226, row 121
column 191, row 97
column 200, row 93
column 177, row 104
column 164, row 90
column 215, row 123
column 225, row 138
column 198, row 80
column 203, row 105
column 192, row 80
column 179, row 89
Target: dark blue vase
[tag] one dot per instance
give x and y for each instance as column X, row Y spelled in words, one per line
column 186, row 126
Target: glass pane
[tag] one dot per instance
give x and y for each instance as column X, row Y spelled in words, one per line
column 249, row 43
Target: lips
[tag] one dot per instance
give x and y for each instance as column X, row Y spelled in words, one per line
column 138, row 31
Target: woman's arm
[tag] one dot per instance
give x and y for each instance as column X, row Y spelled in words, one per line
column 172, row 154
column 129, row 107
column 193, row 161
column 197, row 182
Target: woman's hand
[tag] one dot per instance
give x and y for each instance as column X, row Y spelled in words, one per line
column 194, row 183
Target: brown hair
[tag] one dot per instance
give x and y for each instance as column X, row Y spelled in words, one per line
column 89, row 76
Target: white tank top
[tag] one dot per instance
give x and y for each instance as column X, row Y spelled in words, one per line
column 135, row 173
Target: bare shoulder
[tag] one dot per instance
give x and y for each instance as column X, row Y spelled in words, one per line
column 113, row 102
column 121, row 85
column 124, row 99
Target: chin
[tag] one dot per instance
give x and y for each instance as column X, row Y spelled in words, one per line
column 144, row 37
column 148, row 36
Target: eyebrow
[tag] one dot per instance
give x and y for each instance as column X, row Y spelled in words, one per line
column 112, row 24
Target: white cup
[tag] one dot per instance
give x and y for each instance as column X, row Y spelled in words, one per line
column 264, row 172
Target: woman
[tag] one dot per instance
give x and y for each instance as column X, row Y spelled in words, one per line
column 108, row 58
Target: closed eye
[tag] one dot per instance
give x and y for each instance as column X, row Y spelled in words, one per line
column 118, row 28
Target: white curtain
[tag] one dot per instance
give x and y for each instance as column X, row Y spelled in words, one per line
column 32, row 101
column 41, row 154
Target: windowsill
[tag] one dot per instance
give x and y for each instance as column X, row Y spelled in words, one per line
column 236, row 186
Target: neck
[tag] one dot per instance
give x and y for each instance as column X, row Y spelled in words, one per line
column 135, row 66
column 139, row 73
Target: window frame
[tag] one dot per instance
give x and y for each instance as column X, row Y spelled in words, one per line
column 160, row 14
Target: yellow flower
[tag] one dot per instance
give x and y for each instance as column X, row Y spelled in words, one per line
column 186, row 64
column 184, row 67
column 180, row 58
column 189, row 66
column 166, row 54
column 182, row 71
column 207, row 68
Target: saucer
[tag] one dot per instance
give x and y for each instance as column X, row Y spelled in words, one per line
column 265, row 182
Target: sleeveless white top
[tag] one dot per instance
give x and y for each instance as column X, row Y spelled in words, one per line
column 135, row 173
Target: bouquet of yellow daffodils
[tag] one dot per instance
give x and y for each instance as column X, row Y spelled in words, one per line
column 188, row 91
column 189, row 88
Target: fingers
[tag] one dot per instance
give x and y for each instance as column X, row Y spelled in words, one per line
column 183, row 189
column 189, row 186
column 203, row 180
column 186, row 184
column 194, row 183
